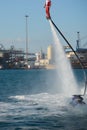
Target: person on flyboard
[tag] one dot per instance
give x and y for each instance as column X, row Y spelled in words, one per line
column 47, row 8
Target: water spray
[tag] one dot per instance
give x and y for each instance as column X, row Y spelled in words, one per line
column 64, row 70
column 81, row 64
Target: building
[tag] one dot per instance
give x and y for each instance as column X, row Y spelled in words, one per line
column 51, row 54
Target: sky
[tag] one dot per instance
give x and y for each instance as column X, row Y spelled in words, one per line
column 69, row 15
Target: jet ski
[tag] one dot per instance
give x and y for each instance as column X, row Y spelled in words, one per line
column 77, row 100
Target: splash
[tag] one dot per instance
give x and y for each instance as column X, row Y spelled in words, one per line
column 67, row 79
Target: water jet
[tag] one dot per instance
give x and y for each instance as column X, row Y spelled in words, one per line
column 77, row 98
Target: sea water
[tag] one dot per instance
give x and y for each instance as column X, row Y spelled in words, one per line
column 29, row 101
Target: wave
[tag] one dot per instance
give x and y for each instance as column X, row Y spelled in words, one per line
column 40, row 109
column 42, row 104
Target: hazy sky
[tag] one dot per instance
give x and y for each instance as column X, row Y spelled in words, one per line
column 69, row 15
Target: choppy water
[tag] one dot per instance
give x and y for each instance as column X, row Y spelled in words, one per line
column 30, row 100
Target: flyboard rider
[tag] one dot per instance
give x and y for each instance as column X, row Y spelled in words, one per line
column 77, row 99
column 47, row 8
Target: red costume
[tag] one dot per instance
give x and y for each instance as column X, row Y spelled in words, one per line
column 47, row 8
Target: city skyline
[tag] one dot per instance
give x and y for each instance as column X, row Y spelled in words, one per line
column 69, row 16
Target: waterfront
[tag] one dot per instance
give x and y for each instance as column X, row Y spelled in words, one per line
column 31, row 100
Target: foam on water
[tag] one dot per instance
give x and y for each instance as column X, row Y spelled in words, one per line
column 68, row 82
column 39, row 111
column 42, row 104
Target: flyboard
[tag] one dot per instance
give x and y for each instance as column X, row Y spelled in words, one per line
column 77, row 99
